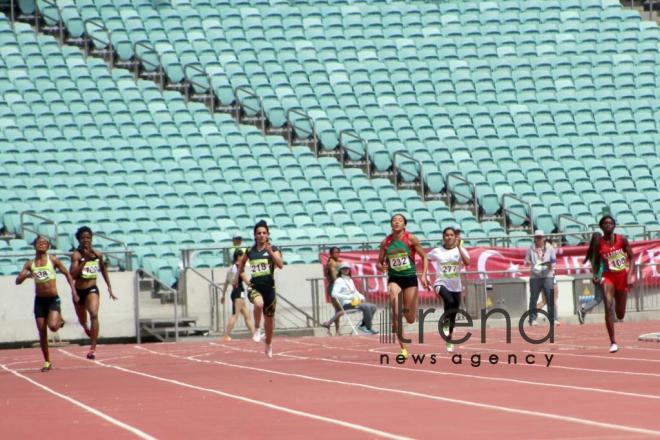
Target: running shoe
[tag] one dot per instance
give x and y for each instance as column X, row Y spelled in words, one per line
column 326, row 325
column 269, row 351
column 450, row 347
column 256, row 337
column 445, row 330
column 363, row 329
column 91, row 356
column 614, row 348
column 226, row 338
column 47, row 367
column 581, row 314
column 372, row 331
column 404, row 353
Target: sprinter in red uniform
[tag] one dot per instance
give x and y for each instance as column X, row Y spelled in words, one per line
column 618, row 269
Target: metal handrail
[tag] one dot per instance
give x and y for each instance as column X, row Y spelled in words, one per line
column 144, row 273
column 127, row 253
column 259, row 110
column 651, row 231
column 214, row 313
column 506, row 211
column 90, row 37
column 158, row 67
column 398, row 170
column 54, row 239
column 307, row 316
column 457, row 176
column 208, row 89
column 12, row 13
column 343, row 146
column 310, row 134
column 573, row 220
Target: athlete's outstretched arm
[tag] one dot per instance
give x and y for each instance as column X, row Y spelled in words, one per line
column 417, row 246
column 240, row 265
column 631, row 257
column 594, row 268
column 24, row 273
column 58, row 264
column 465, row 256
column 275, row 255
column 381, row 257
column 104, row 272
column 76, row 264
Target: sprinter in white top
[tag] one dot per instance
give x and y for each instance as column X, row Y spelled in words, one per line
column 448, row 260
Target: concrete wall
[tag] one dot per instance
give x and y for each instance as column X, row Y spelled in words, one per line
column 118, row 318
column 16, row 312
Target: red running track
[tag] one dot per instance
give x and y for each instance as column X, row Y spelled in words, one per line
column 338, row 388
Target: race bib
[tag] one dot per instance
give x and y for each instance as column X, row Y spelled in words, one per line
column 260, row 267
column 90, row 270
column 617, row 262
column 449, row 270
column 41, row 276
column 399, row 262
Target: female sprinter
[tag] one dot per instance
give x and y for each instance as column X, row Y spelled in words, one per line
column 449, row 258
column 598, row 274
column 237, row 298
column 263, row 258
column 85, row 266
column 615, row 253
column 397, row 256
column 47, row 310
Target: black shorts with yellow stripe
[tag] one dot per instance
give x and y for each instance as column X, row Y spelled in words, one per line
column 267, row 293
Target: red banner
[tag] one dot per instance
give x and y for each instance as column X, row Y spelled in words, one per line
column 499, row 262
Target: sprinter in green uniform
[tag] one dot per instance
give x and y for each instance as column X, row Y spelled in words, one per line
column 86, row 263
column 263, row 258
column 397, row 257
column 47, row 307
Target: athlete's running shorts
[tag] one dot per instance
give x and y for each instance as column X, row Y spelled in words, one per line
column 267, row 293
column 618, row 279
column 236, row 293
column 44, row 304
column 84, row 293
column 403, row 282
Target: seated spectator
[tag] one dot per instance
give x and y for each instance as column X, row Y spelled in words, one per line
column 331, row 272
column 346, row 293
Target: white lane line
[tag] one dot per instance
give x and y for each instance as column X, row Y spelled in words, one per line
column 138, row 433
column 382, row 351
column 280, row 408
column 423, row 395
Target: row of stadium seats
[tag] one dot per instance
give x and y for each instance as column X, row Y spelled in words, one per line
column 84, row 145
column 230, row 44
column 351, row 84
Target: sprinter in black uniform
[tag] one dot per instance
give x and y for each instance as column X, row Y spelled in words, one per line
column 263, row 258
column 86, row 263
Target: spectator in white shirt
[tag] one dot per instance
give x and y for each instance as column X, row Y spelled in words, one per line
column 346, row 293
